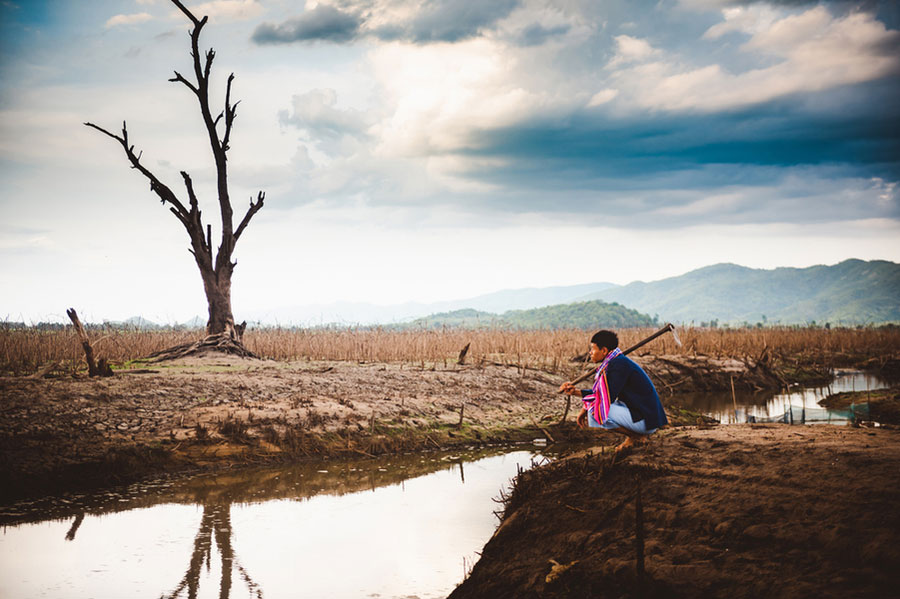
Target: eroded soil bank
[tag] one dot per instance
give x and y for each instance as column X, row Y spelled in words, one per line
column 217, row 411
column 737, row 511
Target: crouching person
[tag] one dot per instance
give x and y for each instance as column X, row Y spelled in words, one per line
column 623, row 398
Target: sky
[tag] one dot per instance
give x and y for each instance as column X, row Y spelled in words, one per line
column 430, row 150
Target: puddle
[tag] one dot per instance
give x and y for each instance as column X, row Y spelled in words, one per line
column 801, row 405
column 406, row 526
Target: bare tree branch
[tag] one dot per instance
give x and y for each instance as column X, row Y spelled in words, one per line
column 189, row 14
column 190, row 189
column 230, row 113
column 210, row 55
column 156, row 186
column 254, row 208
column 179, row 78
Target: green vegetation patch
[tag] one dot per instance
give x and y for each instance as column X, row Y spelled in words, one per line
column 579, row 315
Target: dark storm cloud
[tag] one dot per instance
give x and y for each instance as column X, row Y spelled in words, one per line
column 436, row 21
column 858, row 126
column 637, row 165
column 536, row 34
column 887, row 11
column 455, row 20
column 324, row 22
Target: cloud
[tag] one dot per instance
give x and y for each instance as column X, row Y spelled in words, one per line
column 713, row 4
column 808, row 52
column 750, row 20
column 630, row 50
column 324, row 22
column 449, row 20
column 132, row 19
column 389, row 20
column 536, row 34
column 335, row 131
column 633, row 122
column 602, row 97
column 228, row 10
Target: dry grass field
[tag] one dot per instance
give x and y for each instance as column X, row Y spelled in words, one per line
column 24, row 351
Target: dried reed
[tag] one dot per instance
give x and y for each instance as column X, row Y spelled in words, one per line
column 26, row 350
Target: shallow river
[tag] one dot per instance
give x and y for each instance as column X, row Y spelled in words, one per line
column 407, row 526
column 400, row 527
column 744, row 406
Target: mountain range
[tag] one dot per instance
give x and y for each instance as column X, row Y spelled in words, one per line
column 851, row 292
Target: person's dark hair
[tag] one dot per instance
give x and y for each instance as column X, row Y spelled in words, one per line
column 606, row 339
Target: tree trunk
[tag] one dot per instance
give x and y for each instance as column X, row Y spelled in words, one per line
column 218, row 299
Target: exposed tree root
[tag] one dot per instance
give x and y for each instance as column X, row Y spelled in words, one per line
column 219, row 343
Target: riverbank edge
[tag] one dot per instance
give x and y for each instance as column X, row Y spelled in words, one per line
column 128, row 463
column 231, row 443
column 707, row 510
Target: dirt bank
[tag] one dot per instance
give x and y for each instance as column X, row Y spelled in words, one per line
column 884, row 404
column 736, row 511
column 217, row 411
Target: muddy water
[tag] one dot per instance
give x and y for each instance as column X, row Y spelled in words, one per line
column 760, row 406
column 400, row 527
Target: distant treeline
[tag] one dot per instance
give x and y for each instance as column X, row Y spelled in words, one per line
column 580, row 315
column 105, row 326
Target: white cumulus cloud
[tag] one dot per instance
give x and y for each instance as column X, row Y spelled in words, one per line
column 228, row 10
column 808, row 52
column 132, row 19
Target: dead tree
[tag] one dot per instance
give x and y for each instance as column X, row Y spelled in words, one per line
column 95, row 367
column 215, row 270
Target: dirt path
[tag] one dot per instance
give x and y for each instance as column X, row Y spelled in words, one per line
column 728, row 511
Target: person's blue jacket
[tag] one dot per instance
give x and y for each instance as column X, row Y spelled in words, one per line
column 628, row 383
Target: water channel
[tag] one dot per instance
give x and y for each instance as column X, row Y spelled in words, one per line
column 398, row 527
column 761, row 407
column 405, row 527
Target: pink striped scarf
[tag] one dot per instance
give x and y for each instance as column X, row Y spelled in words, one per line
column 598, row 401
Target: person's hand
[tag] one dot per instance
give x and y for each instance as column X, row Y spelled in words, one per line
column 569, row 389
column 581, row 421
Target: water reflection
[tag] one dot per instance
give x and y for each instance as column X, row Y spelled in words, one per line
column 766, row 406
column 390, row 528
column 216, row 521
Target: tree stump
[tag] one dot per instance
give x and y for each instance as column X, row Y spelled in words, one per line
column 94, row 368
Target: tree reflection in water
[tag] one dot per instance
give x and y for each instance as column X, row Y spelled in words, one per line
column 219, row 491
column 216, row 521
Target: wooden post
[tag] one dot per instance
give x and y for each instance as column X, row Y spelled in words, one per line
column 734, row 399
column 462, row 412
column 462, row 355
column 568, row 405
column 639, row 537
column 93, row 369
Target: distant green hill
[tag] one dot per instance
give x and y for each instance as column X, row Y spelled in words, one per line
column 582, row 315
column 852, row 292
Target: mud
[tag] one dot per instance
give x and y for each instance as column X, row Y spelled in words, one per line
column 737, row 511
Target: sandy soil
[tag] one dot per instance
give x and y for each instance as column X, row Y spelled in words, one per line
column 728, row 511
